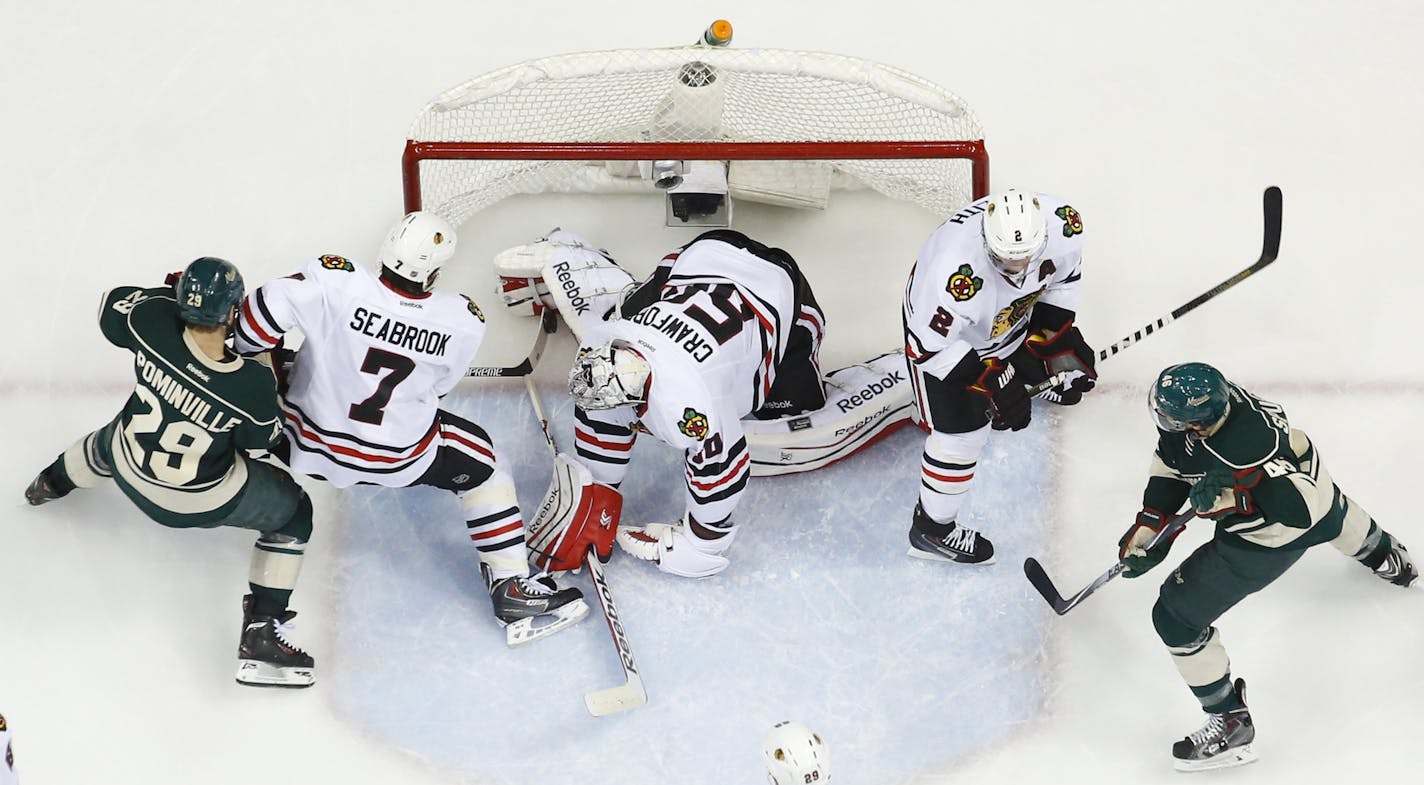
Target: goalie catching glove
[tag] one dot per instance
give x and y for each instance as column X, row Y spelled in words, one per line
column 564, row 272
column 577, row 513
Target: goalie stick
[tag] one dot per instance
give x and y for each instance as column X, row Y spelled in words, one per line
column 1045, row 587
column 547, row 326
column 630, row 694
column 1271, row 245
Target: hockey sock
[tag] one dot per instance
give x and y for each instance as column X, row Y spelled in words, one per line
column 80, row 466
column 1378, row 544
column 1219, row 697
column 496, row 526
column 267, row 601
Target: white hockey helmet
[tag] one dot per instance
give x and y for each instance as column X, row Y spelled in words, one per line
column 795, row 755
column 1015, row 233
column 608, row 375
column 417, row 247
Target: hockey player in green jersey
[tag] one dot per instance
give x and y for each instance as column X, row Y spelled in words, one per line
column 1238, row 461
column 174, row 450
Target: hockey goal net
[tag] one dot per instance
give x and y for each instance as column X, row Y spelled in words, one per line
column 785, row 127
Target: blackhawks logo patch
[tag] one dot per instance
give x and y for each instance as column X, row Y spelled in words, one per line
column 333, row 262
column 1005, row 320
column 694, row 424
column 964, row 283
column 1072, row 222
column 474, row 309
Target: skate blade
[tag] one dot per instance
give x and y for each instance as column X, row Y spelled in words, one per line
column 254, row 673
column 524, row 632
column 916, row 553
column 1239, row 756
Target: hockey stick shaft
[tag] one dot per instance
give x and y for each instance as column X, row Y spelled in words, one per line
column 1041, row 582
column 630, row 694
column 1270, row 248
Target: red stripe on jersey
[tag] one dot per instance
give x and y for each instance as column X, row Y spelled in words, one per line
column 252, row 322
column 355, row 453
column 479, row 448
column 707, row 486
column 614, row 446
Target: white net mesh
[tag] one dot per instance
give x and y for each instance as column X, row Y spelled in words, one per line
column 694, row 94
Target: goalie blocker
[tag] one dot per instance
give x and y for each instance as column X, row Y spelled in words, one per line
column 576, row 514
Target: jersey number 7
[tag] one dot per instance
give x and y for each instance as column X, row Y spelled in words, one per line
column 373, row 409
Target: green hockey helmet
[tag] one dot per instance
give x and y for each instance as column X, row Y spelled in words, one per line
column 208, row 290
column 1188, row 394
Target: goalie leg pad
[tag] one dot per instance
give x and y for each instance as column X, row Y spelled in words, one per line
column 864, row 403
column 576, row 513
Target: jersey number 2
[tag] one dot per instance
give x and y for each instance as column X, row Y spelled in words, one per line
column 373, row 409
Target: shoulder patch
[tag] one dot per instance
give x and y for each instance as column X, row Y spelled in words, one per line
column 333, row 262
column 693, row 424
column 1072, row 221
column 964, row 283
column 474, row 309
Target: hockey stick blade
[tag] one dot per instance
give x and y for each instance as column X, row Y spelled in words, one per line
column 1041, row 582
column 630, row 694
column 546, row 328
column 1270, row 248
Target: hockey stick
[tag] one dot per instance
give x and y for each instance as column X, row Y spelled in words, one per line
column 547, row 326
column 630, row 694
column 1271, row 207
column 1045, row 587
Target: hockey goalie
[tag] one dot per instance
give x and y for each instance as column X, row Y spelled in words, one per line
column 716, row 353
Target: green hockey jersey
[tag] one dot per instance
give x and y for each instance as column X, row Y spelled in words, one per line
column 175, row 443
column 1294, row 501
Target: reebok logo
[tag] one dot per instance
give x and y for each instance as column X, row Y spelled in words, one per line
column 570, row 287
column 870, row 391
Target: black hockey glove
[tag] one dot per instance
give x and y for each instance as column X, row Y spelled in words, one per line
column 1065, row 350
column 1008, row 398
column 1132, row 548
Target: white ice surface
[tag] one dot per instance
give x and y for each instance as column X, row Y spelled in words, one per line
column 140, row 135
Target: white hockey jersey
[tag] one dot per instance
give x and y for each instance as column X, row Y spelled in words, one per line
column 366, row 385
column 712, row 340
column 957, row 302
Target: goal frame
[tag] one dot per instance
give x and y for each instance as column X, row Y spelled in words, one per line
column 973, row 151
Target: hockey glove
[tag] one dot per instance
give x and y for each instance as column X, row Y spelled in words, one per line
column 1132, row 548
column 1008, row 398
column 1065, row 350
column 1220, row 493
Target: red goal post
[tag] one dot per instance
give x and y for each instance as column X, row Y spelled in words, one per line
column 594, row 122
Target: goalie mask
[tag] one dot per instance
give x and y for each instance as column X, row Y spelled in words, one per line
column 608, row 375
column 794, row 755
column 1014, row 233
column 417, row 247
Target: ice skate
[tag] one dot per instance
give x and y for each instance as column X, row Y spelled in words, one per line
column 520, row 601
column 42, row 490
column 1224, row 741
column 960, row 544
column 1397, row 567
column 265, row 657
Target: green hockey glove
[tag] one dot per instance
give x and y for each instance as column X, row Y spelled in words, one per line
column 1221, row 493
column 1132, row 548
